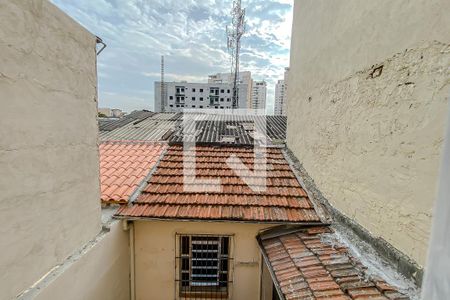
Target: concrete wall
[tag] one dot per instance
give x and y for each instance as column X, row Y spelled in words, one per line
column 369, row 136
column 99, row 272
column 49, row 173
column 155, row 256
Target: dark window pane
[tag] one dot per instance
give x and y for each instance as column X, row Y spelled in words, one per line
column 184, row 245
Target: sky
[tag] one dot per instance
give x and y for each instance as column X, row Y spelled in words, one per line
column 190, row 34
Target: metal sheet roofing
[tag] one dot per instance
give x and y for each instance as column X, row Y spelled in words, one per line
column 305, row 266
column 158, row 127
column 135, row 116
column 236, row 130
column 208, row 129
column 123, row 167
column 165, row 196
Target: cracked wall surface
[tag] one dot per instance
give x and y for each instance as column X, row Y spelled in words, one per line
column 49, row 173
column 368, row 88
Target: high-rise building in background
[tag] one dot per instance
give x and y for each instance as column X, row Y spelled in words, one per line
column 281, row 95
column 259, row 95
column 213, row 95
column 244, row 78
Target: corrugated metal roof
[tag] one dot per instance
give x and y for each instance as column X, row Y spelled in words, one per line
column 109, row 125
column 158, row 127
column 167, row 196
column 123, row 167
column 217, row 129
column 231, row 129
column 305, row 266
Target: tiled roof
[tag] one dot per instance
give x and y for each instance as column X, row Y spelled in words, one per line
column 305, row 266
column 284, row 200
column 234, row 130
column 123, row 167
column 157, row 127
column 135, row 116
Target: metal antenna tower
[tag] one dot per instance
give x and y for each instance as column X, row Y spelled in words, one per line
column 163, row 90
column 234, row 34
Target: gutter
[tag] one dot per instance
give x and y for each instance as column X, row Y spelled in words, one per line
column 149, row 219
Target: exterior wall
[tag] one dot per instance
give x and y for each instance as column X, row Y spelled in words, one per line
column 155, row 256
column 196, row 99
column 49, row 170
column 259, row 94
column 369, row 136
column 101, row 272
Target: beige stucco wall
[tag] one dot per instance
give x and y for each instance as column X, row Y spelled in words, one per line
column 101, row 272
column 372, row 143
column 49, row 173
column 155, row 256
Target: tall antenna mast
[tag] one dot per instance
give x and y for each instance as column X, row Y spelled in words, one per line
column 234, row 34
column 163, row 90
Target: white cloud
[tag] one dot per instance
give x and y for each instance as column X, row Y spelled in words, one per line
column 191, row 35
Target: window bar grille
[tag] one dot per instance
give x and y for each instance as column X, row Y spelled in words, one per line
column 204, row 266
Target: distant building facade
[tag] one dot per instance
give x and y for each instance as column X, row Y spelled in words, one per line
column 181, row 95
column 105, row 111
column 281, row 95
column 117, row 113
column 259, row 95
column 243, row 78
column 111, row 113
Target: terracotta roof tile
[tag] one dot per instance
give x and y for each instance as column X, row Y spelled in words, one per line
column 123, row 166
column 166, row 195
column 304, row 265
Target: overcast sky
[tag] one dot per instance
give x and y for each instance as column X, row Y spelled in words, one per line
column 191, row 35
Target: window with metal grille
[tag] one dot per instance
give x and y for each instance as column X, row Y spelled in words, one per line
column 203, row 264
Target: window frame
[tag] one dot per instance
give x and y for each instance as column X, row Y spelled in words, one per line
column 203, row 292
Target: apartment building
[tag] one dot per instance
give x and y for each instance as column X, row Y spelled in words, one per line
column 259, row 95
column 183, row 95
column 244, row 77
column 280, row 96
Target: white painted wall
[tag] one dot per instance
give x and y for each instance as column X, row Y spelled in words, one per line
column 101, row 272
column 49, row 171
column 372, row 143
column 197, row 96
